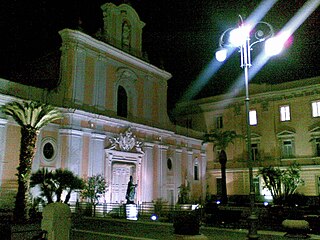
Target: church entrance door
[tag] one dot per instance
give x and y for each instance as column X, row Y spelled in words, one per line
column 120, row 178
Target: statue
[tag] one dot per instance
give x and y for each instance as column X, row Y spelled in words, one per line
column 131, row 191
column 126, row 35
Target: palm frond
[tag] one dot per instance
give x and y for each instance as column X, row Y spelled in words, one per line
column 219, row 138
column 31, row 113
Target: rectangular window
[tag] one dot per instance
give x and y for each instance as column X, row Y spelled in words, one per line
column 287, row 149
column 256, row 185
column 285, row 113
column 317, row 140
column 253, row 117
column 254, row 152
column 196, row 172
column 316, row 109
column 219, row 122
column 189, row 123
column 217, row 151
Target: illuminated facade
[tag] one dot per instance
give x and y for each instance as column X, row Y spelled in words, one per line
column 285, row 128
column 115, row 118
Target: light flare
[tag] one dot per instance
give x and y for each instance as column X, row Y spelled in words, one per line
column 285, row 35
column 214, row 66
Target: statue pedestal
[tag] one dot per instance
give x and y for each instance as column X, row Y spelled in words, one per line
column 131, row 212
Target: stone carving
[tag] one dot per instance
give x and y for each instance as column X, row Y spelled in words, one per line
column 126, row 142
column 126, row 31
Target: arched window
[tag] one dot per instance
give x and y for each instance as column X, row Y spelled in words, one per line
column 169, row 163
column 122, row 102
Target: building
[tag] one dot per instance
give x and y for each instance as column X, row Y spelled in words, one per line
column 285, row 128
column 115, row 118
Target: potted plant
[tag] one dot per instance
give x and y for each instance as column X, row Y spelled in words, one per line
column 295, row 225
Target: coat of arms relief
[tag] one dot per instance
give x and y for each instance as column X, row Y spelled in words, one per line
column 126, row 142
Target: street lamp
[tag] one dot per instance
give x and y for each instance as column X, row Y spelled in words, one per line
column 240, row 38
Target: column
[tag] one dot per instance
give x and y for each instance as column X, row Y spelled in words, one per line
column 79, row 75
column 177, row 168
column 3, row 123
column 71, row 153
column 190, row 169
column 108, row 173
column 100, row 82
column 96, row 154
column 148, row 97
column 147, row 174
column 162, row 172
column 203, row 174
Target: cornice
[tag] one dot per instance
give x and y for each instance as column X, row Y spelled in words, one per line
column 272, row 93
column 77, row 37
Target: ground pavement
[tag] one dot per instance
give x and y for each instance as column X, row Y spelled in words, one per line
column 114, row 229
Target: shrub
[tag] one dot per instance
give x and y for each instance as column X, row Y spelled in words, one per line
column 186, row 223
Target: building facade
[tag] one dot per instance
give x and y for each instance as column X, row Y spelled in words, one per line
column 285, row 128
column 115, row 118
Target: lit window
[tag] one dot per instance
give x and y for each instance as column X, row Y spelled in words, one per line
column 285, row 113
column 316, row 109
column 253, row 117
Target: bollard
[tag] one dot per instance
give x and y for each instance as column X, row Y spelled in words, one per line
column 56, row 220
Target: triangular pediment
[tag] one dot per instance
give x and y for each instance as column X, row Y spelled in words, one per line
column 255, row 135
column 286, row 134
column 315, row 130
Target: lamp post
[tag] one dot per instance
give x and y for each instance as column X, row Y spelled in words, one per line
column 240, row 37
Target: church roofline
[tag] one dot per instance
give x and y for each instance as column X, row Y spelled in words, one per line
column 77, row 36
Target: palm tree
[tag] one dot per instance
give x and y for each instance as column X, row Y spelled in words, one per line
column 66, row 180
column 44, row 178
column 31, row 116
column 221, row 140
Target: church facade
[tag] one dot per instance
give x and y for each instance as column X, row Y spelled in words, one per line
column 115, row 118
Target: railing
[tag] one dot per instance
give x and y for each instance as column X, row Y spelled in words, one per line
column 118, row 210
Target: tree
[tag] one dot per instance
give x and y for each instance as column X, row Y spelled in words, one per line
column 221, row 140
column 75, row 183
column 184, row 194
column 53, row 183
column 66, row 180
column 44, row 178
column 282, row 184
column 31, row 116
column 94, row 188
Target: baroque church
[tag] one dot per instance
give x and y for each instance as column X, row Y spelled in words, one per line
column 115, row 118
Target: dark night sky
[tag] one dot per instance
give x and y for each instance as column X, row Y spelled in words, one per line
column 181, row 36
